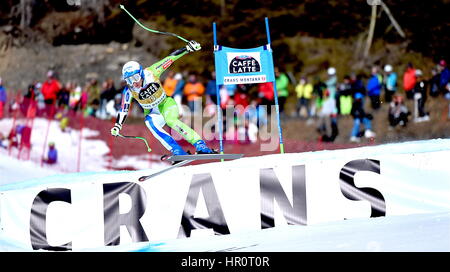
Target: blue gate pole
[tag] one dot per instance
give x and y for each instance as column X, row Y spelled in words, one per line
column 277, row 107
column 219, row 110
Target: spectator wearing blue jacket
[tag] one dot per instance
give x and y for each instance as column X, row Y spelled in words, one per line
column 211, row 93
column 444, row 82
column 52, row 154
column 374, row 86
column 444, row 76
column 390, row 83
column 3, row 98
column 360, row 117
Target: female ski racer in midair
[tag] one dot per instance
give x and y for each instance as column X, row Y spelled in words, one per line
column 159, row 109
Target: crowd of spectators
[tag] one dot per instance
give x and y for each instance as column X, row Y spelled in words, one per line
column 319, row 102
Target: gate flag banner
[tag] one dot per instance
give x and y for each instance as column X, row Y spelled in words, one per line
column 243, row 66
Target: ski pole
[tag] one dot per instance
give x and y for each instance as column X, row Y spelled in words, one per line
column 152, row 30
column 136, row 137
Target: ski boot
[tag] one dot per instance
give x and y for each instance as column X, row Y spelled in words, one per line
column 175, row 151
column 202, row 148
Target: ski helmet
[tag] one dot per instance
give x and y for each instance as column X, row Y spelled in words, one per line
column 388, row 68
column 132, row 72
column 331, row 71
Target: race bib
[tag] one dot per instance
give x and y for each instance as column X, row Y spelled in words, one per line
column 149, row 91
column 150, row 96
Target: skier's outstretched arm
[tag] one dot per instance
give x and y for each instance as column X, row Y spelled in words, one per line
column 123, row 112
column 158, row 68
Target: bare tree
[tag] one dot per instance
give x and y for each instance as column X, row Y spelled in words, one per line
column 373, row 20
column 393, row 21
column 25, row 10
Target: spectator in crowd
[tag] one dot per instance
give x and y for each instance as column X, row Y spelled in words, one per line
column 360, row 116
column 3, row 141
column 49, row 90
column 231, row 89
column 113, row 106
column 39, row 98
column 52, row 154
column 170, row 83
column 28, row 106
column 434, row 83
column 256, row 114
column 282, row 82
column 266, row 95
column 444, row 82
column 20, row 136
column 178, row 93
column 319, row 88
column 193, row 90
column 447, row 96
column 224, row 98
column 211, row 95
column 304, row 91
column 75, row 98
column 63, row 96
column 63, row 119
column 241, row 99
column 3, row 98
column 29, row 96
column 122, row 86
column 398, row 112
column 331, row 82
column 409, row 81
column 344, row 97
column 247, row 133
column 420, row 97
column 107, row 94
column 444, row 78
column 93, row 96
column 374, row 88
column 358, row 85
column 109, row 90
column 327, row 126
column 84, row 98
column 390, row 83
column 13, row 137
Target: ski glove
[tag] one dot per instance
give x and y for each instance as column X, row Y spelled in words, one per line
column 115, row 130
column 193, row 46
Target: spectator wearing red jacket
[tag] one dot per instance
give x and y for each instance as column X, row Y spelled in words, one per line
column 265, row 93
column 409, row 81
column 241, row 98
column 50, row 89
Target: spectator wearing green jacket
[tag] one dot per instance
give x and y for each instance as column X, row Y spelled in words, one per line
column 282, row 82
column 304, row 91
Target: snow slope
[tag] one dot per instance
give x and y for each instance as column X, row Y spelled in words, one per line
column 410, row 233
column 93, row 156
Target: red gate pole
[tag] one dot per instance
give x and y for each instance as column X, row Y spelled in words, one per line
column 14, row 121
column 80, row 140
column 31, row 114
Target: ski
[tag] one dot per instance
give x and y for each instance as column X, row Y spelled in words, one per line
column 144, row 178
column 185, row 159
column 204, row 157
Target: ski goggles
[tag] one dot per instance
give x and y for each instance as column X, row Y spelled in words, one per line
column 133, row 78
